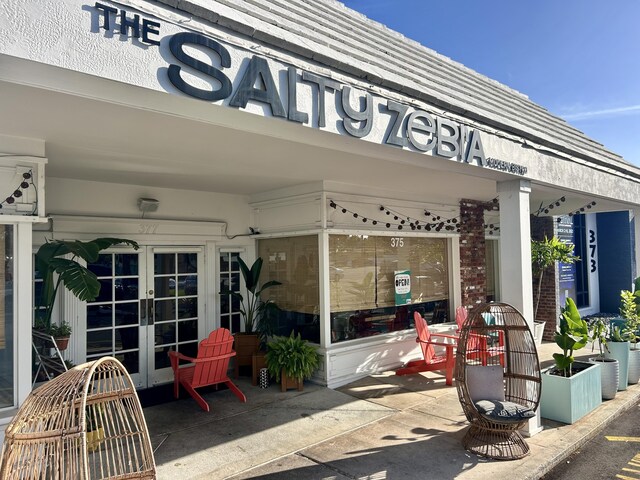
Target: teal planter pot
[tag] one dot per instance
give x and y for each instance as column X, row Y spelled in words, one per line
column 620, row 352
column 568, row 399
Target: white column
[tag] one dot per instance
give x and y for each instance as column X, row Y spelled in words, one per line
column 515, row 260
column 515, row 247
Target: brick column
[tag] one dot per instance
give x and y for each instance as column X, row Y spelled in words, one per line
column 549, row 308
column 473, row 275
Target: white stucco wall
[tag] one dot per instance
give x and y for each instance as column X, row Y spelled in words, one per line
column 67, row 34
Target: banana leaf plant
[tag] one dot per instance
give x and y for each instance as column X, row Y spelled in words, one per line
column 74, row 276
column 255, row 311
column 573, row 334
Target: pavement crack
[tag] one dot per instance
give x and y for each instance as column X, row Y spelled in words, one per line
column 327, row 466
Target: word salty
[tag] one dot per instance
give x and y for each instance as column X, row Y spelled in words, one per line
column 402, row 125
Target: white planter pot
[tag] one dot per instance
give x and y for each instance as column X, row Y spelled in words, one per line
column 609, row 374
column 620, row 351
column 538, row 331
column 634, row 365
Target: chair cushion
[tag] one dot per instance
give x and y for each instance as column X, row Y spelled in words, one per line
column 503, row 411
column 485, row 382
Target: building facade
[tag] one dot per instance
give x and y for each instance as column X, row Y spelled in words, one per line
column 374, row 177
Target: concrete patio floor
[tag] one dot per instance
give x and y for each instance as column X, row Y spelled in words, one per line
column 379, row 427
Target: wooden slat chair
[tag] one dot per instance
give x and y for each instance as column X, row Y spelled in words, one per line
column 210, row 367
column 431, row 361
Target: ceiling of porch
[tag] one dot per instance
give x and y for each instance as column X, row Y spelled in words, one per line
column 204, row 147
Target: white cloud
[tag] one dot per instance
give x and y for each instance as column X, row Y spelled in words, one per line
column 608, row 112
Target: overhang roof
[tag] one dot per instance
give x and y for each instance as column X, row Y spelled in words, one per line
column 329, row 33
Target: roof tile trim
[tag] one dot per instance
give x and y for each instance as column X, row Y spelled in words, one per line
column 271, row 12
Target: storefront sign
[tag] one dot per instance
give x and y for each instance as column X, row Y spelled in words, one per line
column 403, row 287
column 257, row 82
column 566, row 271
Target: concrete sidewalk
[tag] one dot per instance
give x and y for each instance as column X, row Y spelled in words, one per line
column 380, row 427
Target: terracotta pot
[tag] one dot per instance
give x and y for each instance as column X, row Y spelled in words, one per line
column 287, row 382
column 62, row 343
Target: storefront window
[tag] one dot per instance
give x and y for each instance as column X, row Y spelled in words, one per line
column 7, row 354
column 491, row 267
column 230, row 316
column 293, row 261
column 378, row 282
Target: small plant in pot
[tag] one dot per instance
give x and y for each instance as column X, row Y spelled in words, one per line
column 609, row 367
column 630, row 311
column 57, row 269
column 572, row 334
column 291, row 360
column 256, row 312
column 570, row 389
column 545, row 254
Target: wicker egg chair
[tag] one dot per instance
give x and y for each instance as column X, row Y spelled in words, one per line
column 84, row 424
column 498, row 380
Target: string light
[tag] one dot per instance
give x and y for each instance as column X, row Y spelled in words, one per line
column 580, row 210
column 548, row 208
column 439, row 223
column 27, row 181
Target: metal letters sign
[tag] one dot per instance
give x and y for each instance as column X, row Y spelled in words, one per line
column 403, row 126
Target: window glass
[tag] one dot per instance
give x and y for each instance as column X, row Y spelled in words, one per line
column 229, row 281
column 7, row 353
column 293, row 261
column 376, row 283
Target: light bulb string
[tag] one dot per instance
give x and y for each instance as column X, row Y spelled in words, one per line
column 26, row 182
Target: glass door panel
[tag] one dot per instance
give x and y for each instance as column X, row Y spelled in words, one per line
column 149, row 303
column 113, row 319
column 177, row 308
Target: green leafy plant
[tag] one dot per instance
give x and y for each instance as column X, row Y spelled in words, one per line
column 598, row 331
column 544, row 254
column 572, row 334
column 293, row 355
column 75, row 277
column 254, row 310
column 629, row 310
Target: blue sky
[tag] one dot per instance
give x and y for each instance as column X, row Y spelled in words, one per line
column 580, row 59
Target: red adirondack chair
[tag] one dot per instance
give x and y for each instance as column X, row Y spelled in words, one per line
column 461, row 316
column 210, row 368
column 430, row 360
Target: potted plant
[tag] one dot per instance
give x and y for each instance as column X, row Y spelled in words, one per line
column 619, row 349
column 609, row 367
column 544, row 254
column 570, row 389
column 62, row 257
column 61, row 334
column 290, row 360
column 630, row 311
column 255, row 313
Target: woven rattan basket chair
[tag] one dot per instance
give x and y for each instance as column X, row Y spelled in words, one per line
column 84, row 424
column 498, row 380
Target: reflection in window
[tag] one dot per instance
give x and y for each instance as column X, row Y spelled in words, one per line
column 7, row 354
column 112, row 318
column 362, row 276
column 229, row 280
column 293, row 261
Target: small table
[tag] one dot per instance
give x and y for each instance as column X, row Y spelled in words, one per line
column 258, row 361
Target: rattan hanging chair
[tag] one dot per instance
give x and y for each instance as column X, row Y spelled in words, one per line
column 498, row 380
column 84, row 424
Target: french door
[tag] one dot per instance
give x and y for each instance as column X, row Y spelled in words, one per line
column 151, row 302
